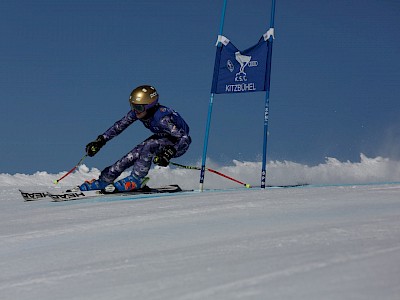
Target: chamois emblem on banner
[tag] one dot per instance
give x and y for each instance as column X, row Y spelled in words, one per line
column 244, row 61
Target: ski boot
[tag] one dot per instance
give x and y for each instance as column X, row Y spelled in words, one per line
column 130, row 183
column 94, row 184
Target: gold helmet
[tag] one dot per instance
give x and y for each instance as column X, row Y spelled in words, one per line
column 143, row 97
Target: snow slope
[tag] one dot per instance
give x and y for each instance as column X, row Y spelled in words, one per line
column 330, row 242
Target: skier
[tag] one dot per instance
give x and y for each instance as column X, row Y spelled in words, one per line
column 170, row 139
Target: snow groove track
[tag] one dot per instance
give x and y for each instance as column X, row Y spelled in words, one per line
column 304, row 243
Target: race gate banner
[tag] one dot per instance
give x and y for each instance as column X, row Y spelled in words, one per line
column 241, row 71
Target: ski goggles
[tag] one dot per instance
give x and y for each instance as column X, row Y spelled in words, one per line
column 138, row 107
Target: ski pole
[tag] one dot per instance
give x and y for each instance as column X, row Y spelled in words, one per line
column 212, row 171
column 70, row 171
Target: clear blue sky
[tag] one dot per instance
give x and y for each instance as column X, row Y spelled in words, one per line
column 68, row 67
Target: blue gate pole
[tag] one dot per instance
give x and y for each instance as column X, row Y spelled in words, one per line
column 266, row 107
column 210, row 106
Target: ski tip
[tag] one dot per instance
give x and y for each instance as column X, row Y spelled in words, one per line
column 247, row 185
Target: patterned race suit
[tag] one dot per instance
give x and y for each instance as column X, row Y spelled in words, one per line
column 168, row 127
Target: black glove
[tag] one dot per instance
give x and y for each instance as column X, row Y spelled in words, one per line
column 93, row 147
column 164, row 156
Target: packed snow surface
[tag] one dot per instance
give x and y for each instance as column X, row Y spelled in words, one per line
column 333, row 239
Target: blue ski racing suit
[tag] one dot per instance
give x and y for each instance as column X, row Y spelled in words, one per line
column 168, row 128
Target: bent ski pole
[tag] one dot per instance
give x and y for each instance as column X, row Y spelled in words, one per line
column 212, row 171
column 70, row 171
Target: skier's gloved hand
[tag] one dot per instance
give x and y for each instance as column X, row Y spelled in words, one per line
column 164, row 156
column 93, row 147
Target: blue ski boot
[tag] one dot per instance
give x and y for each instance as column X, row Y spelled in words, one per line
column 94, row 184
column 130, row 183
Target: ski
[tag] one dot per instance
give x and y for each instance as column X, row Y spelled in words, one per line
column 172, row 188
column 76, row 195
column 71, row 195
column 55, row 196
column 33, row 196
